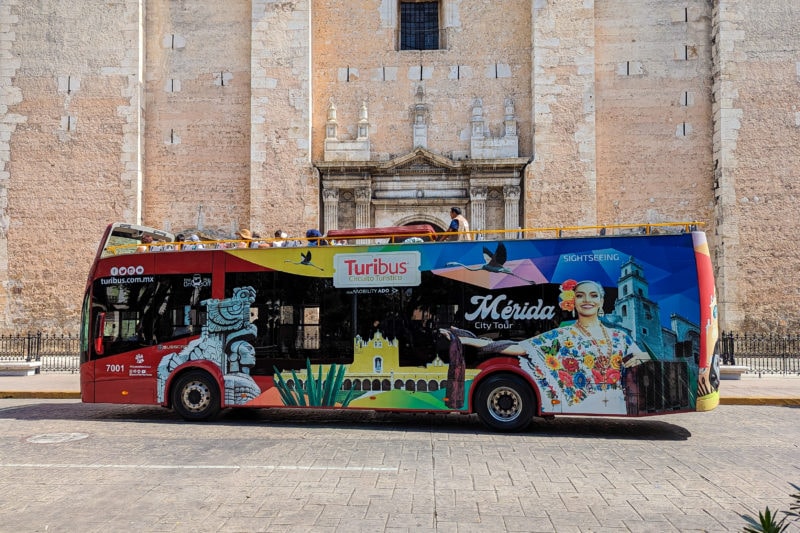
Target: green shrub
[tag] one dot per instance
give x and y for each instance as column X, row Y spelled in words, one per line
column 768, row 522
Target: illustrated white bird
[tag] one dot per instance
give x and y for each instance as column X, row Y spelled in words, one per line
column 494, row 263
column 305, row 261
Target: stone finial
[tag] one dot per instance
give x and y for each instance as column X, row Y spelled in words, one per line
column 477, row 118
column 363, row 122
column 477, row 109
column 420, row 94
column 420, row 119
column 346, row 149
column 510, row 119
column 509, row 109
column 331, row 126
column 483, row 145
column 332, row 112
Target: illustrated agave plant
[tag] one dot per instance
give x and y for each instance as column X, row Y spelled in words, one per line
column 317, row 392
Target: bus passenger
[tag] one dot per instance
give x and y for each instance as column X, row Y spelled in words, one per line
column 147, row 240
column 280, row 239
column 315, row 238
column 247, row 236
column 193, row 243
column 175, row 246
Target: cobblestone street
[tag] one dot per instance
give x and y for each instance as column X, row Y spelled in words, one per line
column 66, row 466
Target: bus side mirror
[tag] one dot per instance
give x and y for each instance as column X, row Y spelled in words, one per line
column 98, row 336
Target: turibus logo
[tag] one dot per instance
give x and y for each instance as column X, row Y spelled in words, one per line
column 127, row 270
column 398, row 269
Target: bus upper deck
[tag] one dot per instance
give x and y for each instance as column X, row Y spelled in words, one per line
column 121, row 238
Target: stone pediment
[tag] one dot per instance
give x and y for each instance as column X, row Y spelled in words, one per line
column 421, row 162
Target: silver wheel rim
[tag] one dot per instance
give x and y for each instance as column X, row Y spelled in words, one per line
column 196, row 396
column 505, row 404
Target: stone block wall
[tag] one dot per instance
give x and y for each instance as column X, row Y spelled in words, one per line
column 654, row 112
column 561, row 181
column 211, row 115
column 284, row 185
column 68, row 111
column 757, row 162
column 197, row 116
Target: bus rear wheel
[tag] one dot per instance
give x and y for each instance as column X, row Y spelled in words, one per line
column 195, row 396
column 505, row 403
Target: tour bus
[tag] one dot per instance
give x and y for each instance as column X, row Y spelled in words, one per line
column 598, row 321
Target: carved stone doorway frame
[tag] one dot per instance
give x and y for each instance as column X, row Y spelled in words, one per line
column 421, row 186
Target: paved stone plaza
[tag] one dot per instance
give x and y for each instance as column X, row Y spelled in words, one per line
column 66, row 466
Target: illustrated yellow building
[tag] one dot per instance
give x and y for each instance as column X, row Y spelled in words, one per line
column 376, row 366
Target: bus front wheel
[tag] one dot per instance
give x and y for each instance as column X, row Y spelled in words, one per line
column 195, row 396
column 505, row 403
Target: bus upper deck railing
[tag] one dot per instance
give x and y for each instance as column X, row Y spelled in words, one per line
column 418, row 234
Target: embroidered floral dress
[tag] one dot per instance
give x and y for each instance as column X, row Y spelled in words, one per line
column 577, row 373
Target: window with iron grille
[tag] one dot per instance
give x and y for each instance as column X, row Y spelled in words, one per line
column 419, row 25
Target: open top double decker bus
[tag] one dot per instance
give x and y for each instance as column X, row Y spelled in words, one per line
column 575, row 321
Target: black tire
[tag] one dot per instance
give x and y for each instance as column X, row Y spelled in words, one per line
column 505, row 402
column 195, row 396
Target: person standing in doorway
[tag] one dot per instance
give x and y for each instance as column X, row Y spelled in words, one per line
column 458, row 224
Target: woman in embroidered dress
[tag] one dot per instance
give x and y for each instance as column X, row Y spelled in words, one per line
column 579, row 367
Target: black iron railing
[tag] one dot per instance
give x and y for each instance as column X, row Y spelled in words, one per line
column 768, row 353
column 57, row 353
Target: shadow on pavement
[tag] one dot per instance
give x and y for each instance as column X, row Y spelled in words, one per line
column 576, row 427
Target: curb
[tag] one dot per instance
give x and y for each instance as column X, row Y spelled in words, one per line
column 45, row 395
column 780, row 402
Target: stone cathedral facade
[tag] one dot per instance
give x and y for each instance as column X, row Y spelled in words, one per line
column 212, row 116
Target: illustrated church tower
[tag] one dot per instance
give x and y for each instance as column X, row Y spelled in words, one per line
column 637, row 312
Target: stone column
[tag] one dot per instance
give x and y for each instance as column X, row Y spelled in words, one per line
column 564, row 117
column 363, row 202
column 477, row 208
column 511, row 195
column 330, row 203
column 729, row 51
column 280, row 116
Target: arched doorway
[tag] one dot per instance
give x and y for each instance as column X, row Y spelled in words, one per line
column 415, row 222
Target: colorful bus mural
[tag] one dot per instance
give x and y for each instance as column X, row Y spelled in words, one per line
column 510, row 329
